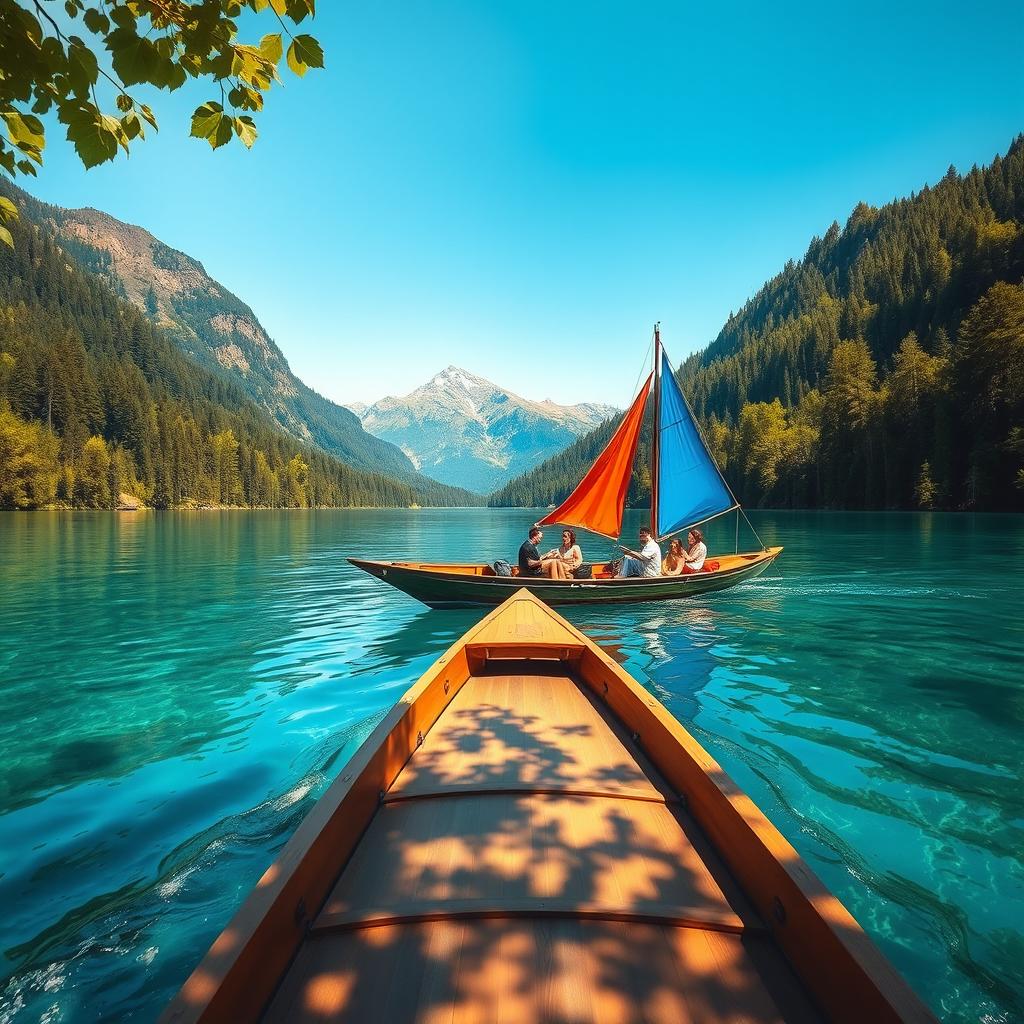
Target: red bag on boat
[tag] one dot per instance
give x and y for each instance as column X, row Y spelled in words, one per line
column 711, row 566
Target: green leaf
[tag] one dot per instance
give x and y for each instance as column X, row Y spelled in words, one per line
column 245, row 129
column 211, row 123
column 132, row 126
column 83, row 69
column 124, row 102
column 245, row 98
column 134, row 58
column 251, row 66
column 304, row 53
column 6, row 237
column 271, row 47
column 8, row 211
column 206, row 118
column 94, row 136
column 24, row 129
column 298, row 10
column 96, row 21
column 121, row 15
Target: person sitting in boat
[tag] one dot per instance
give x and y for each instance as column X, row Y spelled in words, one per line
column 562, row 562
column 675, row 560
column 530, row 563
column 694, row 554
column 646, row 561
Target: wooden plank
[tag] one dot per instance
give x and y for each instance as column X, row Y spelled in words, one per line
column 478, row 855
column 550, row 970
column 415, row 912
column 519, row 732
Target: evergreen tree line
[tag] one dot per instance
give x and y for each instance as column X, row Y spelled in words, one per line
column 96, row 402
column 884, row 370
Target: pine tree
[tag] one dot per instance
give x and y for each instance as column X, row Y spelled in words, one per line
column 92, row 479
column 925, row 491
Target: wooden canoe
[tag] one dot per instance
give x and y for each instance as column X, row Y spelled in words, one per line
column 461, row 585
column 529, row 835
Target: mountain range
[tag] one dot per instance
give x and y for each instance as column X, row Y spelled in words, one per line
column 123, row 383
column 463, row 430
column 458, row 429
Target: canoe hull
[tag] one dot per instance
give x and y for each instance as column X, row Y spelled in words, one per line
column 454, row 587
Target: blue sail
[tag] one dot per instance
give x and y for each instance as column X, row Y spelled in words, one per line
column 690, row 487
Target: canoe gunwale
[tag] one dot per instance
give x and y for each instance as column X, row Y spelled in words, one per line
column 838, row 965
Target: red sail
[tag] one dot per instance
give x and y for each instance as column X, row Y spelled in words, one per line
column 597, row 502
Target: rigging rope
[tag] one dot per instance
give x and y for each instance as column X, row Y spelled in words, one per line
column 643, row 368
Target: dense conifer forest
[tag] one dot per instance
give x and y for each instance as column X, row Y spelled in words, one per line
column 100, row 407
column 883, row 370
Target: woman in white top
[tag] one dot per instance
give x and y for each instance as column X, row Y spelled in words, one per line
column 696, row 551
column 562, row 562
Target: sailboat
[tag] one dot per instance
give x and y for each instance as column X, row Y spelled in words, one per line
column 687, row 489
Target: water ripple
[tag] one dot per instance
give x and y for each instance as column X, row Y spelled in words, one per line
column 179, row 689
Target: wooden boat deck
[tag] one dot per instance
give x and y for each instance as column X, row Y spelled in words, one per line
column 525, row 866
column 528, row 835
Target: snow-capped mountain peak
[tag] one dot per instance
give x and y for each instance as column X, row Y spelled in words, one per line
column 462, row 427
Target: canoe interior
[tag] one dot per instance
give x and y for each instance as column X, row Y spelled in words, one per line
column 529, row 835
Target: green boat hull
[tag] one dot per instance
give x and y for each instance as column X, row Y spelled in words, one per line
column 438, row 588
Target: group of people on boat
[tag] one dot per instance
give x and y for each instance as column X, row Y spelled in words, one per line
column 562, row 563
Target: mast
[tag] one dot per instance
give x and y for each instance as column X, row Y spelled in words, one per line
column 655, row 431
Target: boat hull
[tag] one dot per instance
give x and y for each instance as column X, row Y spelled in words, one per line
column 464, row 586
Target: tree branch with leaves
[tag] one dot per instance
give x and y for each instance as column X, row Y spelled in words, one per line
column 61, row 58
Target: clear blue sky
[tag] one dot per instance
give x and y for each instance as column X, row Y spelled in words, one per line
column 523, row 188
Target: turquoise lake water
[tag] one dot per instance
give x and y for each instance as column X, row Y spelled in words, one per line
column 176, row 689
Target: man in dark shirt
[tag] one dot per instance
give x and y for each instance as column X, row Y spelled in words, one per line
column 529, row 556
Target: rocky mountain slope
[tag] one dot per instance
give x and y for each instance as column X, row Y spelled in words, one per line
column 466, row 431
column 212, row 325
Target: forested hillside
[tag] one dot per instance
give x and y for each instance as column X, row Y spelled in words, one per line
column 883, row 370
column 210, row 324
column 97, row 403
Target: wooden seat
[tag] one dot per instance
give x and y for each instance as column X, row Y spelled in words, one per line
column 515, row 732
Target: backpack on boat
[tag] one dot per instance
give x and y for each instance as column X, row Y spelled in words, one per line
column 502, row 568
column 583, row 572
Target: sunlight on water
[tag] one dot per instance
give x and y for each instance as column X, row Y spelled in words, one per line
column 178, row 689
